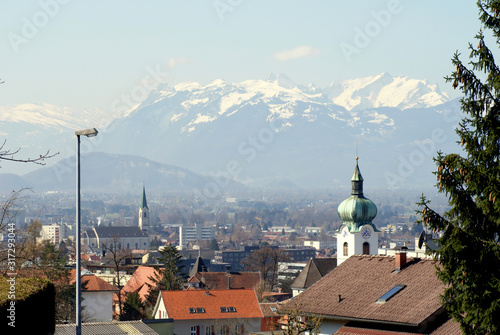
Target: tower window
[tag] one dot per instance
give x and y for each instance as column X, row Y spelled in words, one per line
column 366, row 248
column 346, row 249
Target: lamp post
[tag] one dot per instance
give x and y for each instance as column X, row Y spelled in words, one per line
column 89, row 133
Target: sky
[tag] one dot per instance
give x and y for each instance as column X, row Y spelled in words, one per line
column 87, row 54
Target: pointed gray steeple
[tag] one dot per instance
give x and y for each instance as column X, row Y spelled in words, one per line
column 357, row 181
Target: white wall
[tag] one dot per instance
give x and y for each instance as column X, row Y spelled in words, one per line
column 98, row 306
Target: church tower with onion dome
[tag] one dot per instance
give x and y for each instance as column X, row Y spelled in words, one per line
column 357, row 235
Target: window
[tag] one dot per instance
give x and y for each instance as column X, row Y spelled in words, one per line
column 274, row 309
column 366, row 248
column 232, row 309
column 346, row 249
column 224, row 309
column 200, row 310
column 209, row 330
column 194, row 330
column 192, row 310
column 389, row 294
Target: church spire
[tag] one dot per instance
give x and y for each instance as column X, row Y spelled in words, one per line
column 144, row 212
column 357, row 181
column 144, row 203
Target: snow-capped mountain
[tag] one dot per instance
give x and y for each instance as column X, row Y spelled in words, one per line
column 266, row 132
column 385, row 91
column 49, row 115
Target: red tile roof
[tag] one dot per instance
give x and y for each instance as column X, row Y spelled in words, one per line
column 219, row 280
column 177, row 304
column 361, row 280
column 138, row 282
column 265, row 307
column 450, row 327
column 94, row 283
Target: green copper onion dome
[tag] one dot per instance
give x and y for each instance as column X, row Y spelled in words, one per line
column 357, row 210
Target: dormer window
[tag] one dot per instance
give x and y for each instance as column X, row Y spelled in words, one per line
column 224, row 309
column 192, row 310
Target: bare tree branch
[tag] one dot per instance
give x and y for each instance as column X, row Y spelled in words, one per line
column 8, row 155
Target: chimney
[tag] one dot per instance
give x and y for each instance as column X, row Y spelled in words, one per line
column 228, row 281
column 228, row 267
column 400, row 258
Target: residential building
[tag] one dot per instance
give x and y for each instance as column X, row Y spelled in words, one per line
column 97, row 296
column 224, row 280
column 271, row 316
column 139, row 282
column 281, row 229
column 377, row 295
column 318, row 245
column 195, row 233
column 234, row 257
column 315, row 269
column 313, row 230
column 287, row 270
column 50, row 233
column 357, row 235
column 208, row 312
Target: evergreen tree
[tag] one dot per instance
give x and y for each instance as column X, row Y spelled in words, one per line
column 469, row 250
column 132, row 307
column 170, row 277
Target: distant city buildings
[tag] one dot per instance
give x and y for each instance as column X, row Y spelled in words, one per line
column 234, row 257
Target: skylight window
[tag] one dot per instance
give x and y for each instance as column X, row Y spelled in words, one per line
column 200, row 310
column 274, row 309
column 228, row 309
column 192, row 310
column 389, row 294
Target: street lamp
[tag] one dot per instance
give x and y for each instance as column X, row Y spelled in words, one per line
column 89, row 133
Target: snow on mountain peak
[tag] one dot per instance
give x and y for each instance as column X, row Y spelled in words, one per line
column 383, row 90
column 281, row 80
column 49, row 115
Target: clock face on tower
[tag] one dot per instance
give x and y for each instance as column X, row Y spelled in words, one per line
column 366, row 232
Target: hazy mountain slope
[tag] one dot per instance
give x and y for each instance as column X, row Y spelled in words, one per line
column 101, row 172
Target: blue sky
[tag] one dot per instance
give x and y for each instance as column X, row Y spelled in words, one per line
column 87, row 54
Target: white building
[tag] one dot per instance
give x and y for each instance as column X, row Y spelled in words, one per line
column 50, row 233
column 196, row 233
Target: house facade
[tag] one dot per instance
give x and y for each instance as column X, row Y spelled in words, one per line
column 210, row 312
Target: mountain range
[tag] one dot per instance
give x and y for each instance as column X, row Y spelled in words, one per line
column 261, row 133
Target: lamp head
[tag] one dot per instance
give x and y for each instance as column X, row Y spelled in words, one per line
column 91, row 132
